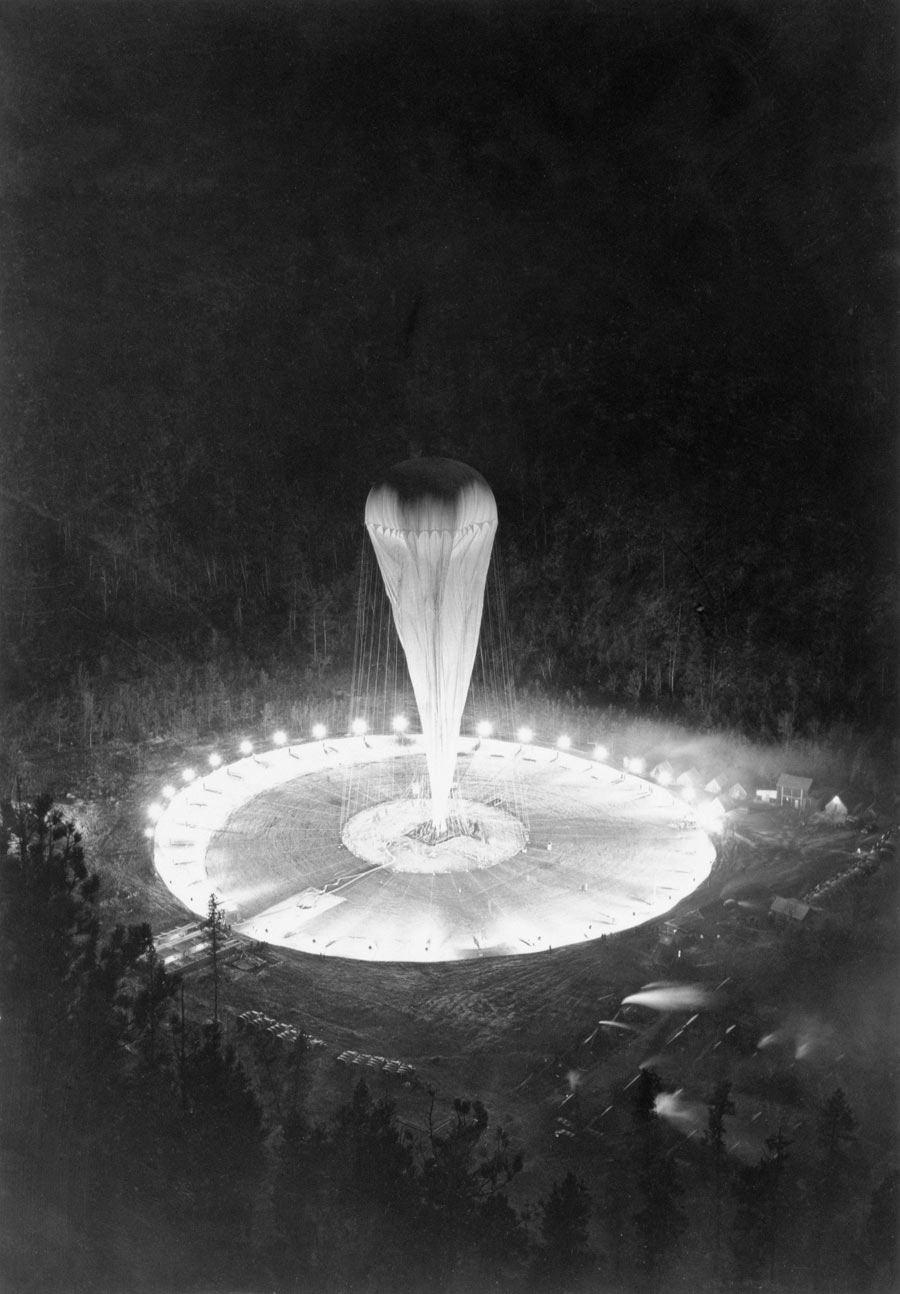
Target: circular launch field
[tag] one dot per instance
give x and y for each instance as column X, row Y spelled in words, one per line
column 604, row 851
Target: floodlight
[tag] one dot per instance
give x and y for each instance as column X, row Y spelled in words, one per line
column 484, row 728
column 601, row 753
column 359, row 727
column 400, row 723
column 246, row 747
column 279, row 737
column 188, row 775
column 168, row 792
column 154, row 811
column 319, row 731
column 149, row 832
column 525, row 735
column 215, row 760
column 564, row 742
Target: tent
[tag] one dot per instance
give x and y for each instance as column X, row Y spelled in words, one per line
column 835, row 810
column 690, row 778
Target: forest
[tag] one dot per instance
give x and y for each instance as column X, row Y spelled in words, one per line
column 636, row 264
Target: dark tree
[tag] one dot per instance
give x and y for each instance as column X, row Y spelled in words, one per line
column 564, row 1256
column 460, row 1175
column 76, row 1105
column 830, row 1236
column 302, row 1201
column 661, row 1222
column 758, row 1191
column 152, row 1002
column 215, row 927
column 643, row 1102
column 883, row 1228
column 220, row 1163
column 48, row 922
column 719, row 1106
column 752, row 1188
column 375, row 1193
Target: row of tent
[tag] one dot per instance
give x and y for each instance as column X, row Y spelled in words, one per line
column 383, row 1063
column 257, row 1022
column 790, row 790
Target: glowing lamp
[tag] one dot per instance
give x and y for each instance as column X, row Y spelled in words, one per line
column 215, row 760
column 601, row 753
column 525, row 735
column 246, row 747
column 400, row 723
column 149, row 833
column 319, row 731
column 188, row 775
column 154, row 811
column 168, row 792
column 484, row 728
column 279, row 737
column 564, row 742
column 359, row 727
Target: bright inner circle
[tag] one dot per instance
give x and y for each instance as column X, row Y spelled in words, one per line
column 397, row 835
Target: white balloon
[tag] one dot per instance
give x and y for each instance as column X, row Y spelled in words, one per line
column 432, row 523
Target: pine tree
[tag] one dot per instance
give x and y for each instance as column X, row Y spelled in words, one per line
column 757, row 1190
column 221, row 1159
column 460, row 1175
column 564, row 1256
column 215, row 926
column 720, row 1104
column 661, row 1222
column 883, row 1228
column 830, row 1243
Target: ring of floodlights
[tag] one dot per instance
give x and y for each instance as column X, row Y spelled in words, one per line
column 605, row 850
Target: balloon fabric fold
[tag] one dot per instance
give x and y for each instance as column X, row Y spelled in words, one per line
column 432, row 523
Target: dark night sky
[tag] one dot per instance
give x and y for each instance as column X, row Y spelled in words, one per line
column 618, row 256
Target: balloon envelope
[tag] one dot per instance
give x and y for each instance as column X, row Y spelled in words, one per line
column 432, row 523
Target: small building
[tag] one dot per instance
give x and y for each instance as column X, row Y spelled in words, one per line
column 766, row 794
column 663, row 773
column 738, row 792
column 788, row 909
column 793, row 790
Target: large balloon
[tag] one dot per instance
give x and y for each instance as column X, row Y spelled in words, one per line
column 432, row 523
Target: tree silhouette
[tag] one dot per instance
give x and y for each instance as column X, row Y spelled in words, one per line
column 757, row 1189
column 221, row 1161
column 214, row 924
column 460, row 1176
column 564, row 1256
column 834, row 1172
column 719, row 1106
column 883, row 1227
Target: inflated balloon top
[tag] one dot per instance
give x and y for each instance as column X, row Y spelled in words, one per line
column 431, row 494
column 432, row 524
